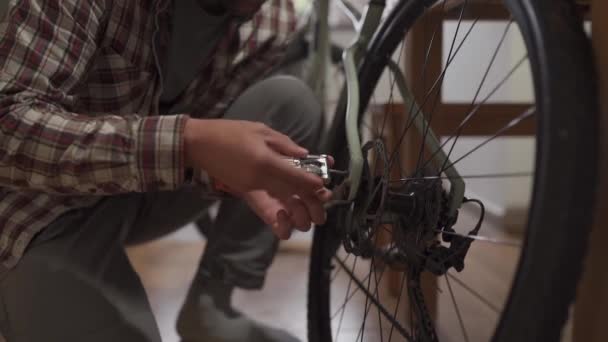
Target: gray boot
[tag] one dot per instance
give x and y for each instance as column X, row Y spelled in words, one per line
column 207, row 316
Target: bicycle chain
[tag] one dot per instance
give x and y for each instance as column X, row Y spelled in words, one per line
column 427, row 333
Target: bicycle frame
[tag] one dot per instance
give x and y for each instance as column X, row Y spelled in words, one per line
column 366, row 25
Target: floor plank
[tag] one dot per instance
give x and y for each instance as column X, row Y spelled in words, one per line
column 166, row 267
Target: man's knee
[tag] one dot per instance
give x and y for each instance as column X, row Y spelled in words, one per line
column 297, row 112
column 284, row 103
column 292, row 93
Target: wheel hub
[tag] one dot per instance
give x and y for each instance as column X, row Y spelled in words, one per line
column 410, row 211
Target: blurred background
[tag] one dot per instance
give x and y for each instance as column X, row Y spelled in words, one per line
column 166, row 266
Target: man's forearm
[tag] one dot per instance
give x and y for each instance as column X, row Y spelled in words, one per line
column 44, row 148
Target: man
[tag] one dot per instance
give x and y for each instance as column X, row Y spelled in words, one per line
column 116, row 118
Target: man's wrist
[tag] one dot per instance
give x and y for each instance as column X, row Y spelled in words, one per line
column 191, row 136
column 194, row 142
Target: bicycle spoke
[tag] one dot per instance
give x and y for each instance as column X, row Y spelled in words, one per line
column 512, row 243
column 460, row 321
column 430, row 45
column 522, row 117
column 438, row 81
column 474, row 293
column 345, row 298
column 437, row 27
column 372, row 128
column 367, row 308
column 480, row 176
column 423, row 76
column 438, row 93
column 385, row 313
column 339, row 269
column 352, row 294
column 378, row 299
column 390, row 101
column 470, row 115
column 367, row 304
column 402, row 286
column 376, row 293
column 483, row 80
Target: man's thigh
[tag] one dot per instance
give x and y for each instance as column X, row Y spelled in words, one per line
column 75, row 283
column 161, row 213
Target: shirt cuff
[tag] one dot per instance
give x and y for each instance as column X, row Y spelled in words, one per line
column 160, row 157
column 160, row 152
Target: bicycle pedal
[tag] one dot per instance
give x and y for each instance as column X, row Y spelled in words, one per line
column 315, row 164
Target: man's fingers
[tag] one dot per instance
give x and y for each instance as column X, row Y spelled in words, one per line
column 280, row 189
column 285, row 146
column 307, row 186
column 299, row 214
column 324, row 195
column 315, row 208
column 283, row 225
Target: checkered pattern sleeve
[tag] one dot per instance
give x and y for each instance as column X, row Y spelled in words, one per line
column 46, row 47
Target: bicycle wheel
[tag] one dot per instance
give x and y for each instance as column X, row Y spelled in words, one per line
column 503, row 286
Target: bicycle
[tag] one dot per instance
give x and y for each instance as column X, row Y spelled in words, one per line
column 408, row 220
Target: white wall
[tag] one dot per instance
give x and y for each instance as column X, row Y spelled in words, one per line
column 502, row 155
column 461, row 83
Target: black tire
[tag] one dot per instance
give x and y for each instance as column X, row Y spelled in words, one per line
column 565, row 179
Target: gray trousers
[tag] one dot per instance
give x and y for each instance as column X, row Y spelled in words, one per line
column 75, row 282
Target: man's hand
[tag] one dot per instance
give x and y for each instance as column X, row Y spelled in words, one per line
column 285, row 215
column 248, row 157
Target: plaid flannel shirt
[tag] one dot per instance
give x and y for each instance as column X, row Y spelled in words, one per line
column 80, row 82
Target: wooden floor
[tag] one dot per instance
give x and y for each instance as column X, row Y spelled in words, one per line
column 166, row 267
